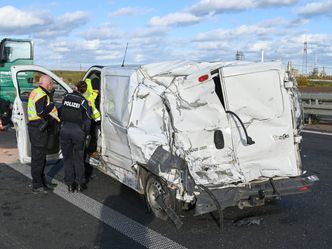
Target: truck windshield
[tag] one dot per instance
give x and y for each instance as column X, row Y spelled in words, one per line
column 17, row 50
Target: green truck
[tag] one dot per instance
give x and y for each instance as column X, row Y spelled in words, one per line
column 13, row 52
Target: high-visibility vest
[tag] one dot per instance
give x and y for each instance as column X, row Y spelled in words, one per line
column 91, row 96
column 34, row 96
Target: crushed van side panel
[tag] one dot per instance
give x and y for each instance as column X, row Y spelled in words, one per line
column 149, row 126
column 182, row 116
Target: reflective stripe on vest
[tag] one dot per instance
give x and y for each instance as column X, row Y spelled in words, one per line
column 34, row 96
column 91, row 96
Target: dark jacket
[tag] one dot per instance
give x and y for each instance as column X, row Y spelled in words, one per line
column 76, row 110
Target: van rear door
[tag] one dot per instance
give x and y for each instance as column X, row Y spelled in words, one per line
column 30, row 74
column 255, row 93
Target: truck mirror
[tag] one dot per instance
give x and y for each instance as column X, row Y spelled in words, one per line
column 6, row 54
column 219, row 139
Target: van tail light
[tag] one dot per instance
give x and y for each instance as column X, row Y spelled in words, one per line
column 304, row 188
column 203, row 78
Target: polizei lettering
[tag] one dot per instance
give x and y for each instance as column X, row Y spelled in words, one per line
column 71, row 104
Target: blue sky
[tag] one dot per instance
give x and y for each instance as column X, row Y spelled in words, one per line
column 74, row 34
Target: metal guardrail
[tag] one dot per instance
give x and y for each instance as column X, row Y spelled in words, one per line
column 318, row 80
column 317, row 103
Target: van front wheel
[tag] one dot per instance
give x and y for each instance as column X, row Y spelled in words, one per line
column 155, row 189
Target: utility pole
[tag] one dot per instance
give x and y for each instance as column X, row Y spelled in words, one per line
column 239, row 56
column 305, row 57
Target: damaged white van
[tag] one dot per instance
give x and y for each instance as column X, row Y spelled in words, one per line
column 188, row 134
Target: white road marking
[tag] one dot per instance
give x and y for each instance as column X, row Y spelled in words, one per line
column 317, row 132
column 132, row 229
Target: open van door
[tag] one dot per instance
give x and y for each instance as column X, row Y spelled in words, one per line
column 30, row 74
column 115, row 111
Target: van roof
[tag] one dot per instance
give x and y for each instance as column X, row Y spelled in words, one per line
column 185, row 67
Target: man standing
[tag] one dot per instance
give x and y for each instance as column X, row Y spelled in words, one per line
column 41, row 114
column 75, row 115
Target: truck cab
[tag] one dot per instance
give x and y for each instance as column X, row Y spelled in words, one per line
column 13, row 52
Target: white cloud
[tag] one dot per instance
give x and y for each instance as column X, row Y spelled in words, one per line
column 73, row 18
column 316, row 8
column 39, row 25
column 205, row 7
column 91, row 45
column 130, row 11
column 213, row 45
column 258, row 46
column 150, row 32
column 274, row 22
column 104, row 32
column 15, row 21
column 107, row 55
column 175, row 19
column 234, row 33
column 298, row 22
column 63, row 25
column 268, row 3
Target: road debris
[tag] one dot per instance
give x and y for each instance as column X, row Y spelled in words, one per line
column 248, row 221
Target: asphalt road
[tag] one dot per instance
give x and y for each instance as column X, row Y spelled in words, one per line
column 30, row 221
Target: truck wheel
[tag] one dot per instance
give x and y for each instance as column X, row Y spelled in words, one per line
column 153, row 189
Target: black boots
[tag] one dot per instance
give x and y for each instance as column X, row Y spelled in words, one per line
column 78, row 187
column 71, row 188
column 81, row 187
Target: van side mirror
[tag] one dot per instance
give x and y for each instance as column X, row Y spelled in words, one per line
column 219, row 139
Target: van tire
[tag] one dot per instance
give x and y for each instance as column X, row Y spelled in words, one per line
column 154, row 187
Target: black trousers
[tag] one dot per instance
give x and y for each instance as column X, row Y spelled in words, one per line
column 38, row 142
column 94, row 129
column 72, row 146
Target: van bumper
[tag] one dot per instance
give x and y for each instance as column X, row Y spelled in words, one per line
column 251, row 196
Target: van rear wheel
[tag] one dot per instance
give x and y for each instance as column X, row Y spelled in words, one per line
column 154, row 188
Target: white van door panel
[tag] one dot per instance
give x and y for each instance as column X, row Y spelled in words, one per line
column 19, row 119
column 19, row 116
column 115, row 115
column 258, row 98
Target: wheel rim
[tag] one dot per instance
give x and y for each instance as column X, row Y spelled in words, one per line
column 154, row 190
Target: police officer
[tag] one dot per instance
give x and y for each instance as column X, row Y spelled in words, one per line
column 42, row 114
column 75, row 117
column 92, row 95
